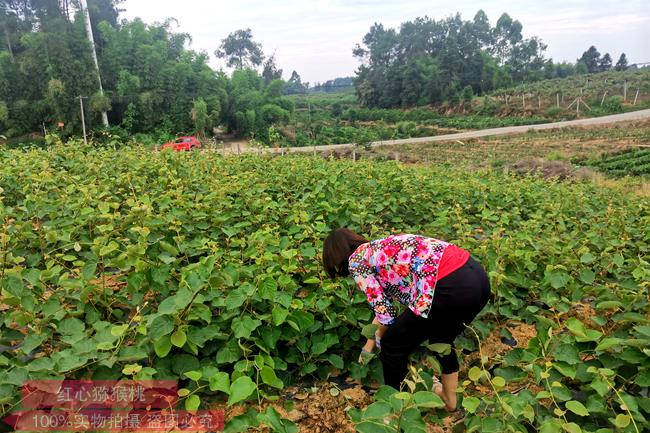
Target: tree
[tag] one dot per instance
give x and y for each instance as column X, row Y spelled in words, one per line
column 591, row 59
column 432, row 61
column 240, row 51
column 295, row 85
column 200, row 116
column 270, row 70
column 605, row 63
column 621, row 64
column 581, row 68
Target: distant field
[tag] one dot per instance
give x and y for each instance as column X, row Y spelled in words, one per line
column 556, row 144
column 335, row 118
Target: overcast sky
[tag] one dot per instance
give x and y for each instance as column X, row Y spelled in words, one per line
column 316, row 37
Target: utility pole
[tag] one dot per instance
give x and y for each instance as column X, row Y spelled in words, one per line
column 91, row 39
column 83, row 119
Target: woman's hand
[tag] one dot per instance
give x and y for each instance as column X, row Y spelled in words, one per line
column 369, row 346
column 381, row 329
column 366, row 351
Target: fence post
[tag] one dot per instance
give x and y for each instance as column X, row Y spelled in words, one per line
column 539, row 102
column 557, row 100
column 625, row 91
column 354, row 154
column 602, row 101
column 636, row 96
column 523, row 100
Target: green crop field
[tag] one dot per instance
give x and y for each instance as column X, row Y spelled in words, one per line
column 635, row 162
column 205, row 269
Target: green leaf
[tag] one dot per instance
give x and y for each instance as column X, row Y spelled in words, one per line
column 373, row 427
column 368, row 331
column 220, row 382
column 377, row 410
column 587, row 276
column 550, row 426
column 120, row 330
column 499, row 381
column 576, row 327
column 267, row 288
column 566, row 353
column 608, row 343
column 244, row 326
column 471, row 404
column 279, row 315
column 193, row 375
column 178, row 338
column 558, row 279
column 622, row 420
column 106, row 250
column 577, row 408
column 608, row 305
column 161, row 325
column 241, row 389
column 428, row 399
column 572, row 427
column 278, row 425
column 71, row 326
column 475, row 374
column 192, row 402
column 269, row 377
column 587, row 258
column 162, row 346
column 31, row 342
column 441, row 348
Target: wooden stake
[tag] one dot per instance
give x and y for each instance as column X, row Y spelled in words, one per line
column 636, row 96
column 571, row 104
column 354, row 154
column 539, row 102
column 523, row 100
column 238, row 150
column 602, row 101
column 557, row 99
column 625, row 91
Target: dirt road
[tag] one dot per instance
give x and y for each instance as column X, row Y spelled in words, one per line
column 604, row 120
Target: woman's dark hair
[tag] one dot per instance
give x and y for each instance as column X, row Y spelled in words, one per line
column 337, row 248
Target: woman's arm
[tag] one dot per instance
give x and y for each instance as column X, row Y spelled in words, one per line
column 370, row 344
column 380, row 328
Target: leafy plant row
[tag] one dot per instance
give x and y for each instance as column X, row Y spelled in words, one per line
column 205, row 269
column 629, row 162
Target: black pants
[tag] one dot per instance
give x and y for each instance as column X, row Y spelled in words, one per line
column 458, row 298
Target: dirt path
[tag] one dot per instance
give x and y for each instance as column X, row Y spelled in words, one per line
column 594, row 121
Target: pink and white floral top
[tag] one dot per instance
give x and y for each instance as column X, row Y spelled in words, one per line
column 399, row 267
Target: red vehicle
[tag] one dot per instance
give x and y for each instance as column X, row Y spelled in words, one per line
column 183, row 143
